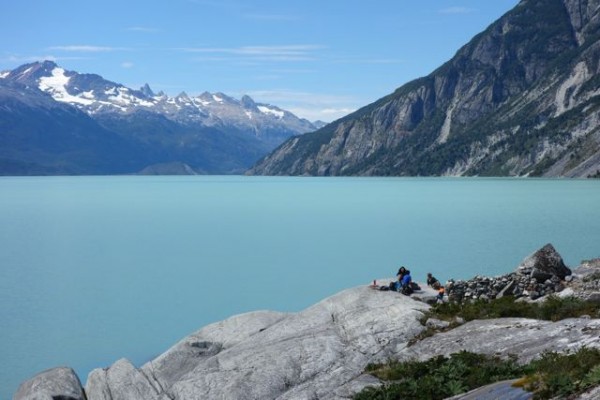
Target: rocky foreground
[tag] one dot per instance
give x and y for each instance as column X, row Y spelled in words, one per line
column 321, row 352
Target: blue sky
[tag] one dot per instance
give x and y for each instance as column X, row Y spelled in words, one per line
column 318, row 59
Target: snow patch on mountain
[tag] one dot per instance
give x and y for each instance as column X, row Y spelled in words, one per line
column 4, row 74
column 100, row 98
column 56, row 85
column 126, row 98
column 267, row 110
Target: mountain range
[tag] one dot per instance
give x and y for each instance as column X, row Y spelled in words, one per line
column 522, row 98
column 54, row 121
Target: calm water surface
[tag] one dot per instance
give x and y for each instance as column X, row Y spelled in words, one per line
column 93, row 269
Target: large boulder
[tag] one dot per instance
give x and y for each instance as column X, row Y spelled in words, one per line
column 56, row 383
column 122, row 381
column 320, row 352
column 543, row 265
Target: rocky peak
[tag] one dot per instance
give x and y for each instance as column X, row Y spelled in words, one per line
column 220, row 97
column 206, row 96
column 248, row 102
column 147, row 91
column 29, row 74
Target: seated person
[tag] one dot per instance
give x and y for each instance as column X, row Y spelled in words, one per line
column 440, row 295
column 405, row 283
column 433, row 282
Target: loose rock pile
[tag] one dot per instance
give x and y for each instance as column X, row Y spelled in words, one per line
column 542, row 273
column 586, row 282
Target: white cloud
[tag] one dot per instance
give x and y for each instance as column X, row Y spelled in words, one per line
column 20, row 59
column 364, row 60
column 127, row 64
column 28, row 59
column 302, row 52
column 142, row 29
column 312, row 106
column 456, row 10
column 86, row 48
column 318, row 114
column 271, row 17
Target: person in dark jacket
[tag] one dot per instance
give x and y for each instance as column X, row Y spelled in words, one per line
column 433, row 282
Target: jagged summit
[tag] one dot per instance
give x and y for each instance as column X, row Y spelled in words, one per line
column 147, row 91
column 248, row 102
column 205, row 132
column 30, row 73
column 95, row 95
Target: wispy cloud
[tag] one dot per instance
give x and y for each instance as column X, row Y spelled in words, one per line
column 28, row 59
column 271, row 17
column 142, row 29
column 456, row 10
column 127, row 64
column 86, row 48
column 272, row 53
column 19, row 59
column 366, row 60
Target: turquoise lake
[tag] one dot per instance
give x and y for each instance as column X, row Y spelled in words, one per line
column 93, row 269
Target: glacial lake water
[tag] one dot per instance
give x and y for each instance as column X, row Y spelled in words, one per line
column 93, row 269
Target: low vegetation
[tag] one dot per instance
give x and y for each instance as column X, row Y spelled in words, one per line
column 561, row 375
column 437, row 378
column 554, row 308
column 442, row 377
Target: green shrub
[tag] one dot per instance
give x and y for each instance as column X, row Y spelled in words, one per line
column 552, row 375
column 563, row 374
column 439, row 377
column 554, row 308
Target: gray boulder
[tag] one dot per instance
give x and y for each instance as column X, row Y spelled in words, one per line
column 320, row 352
column 435, row 323
column 544, row 264
column 524, row 338
column 122, row 381
column 56, row 383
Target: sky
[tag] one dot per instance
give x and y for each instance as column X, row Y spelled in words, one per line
column 318, row 59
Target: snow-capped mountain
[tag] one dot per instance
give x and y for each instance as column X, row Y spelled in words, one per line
column 95, row 95
column 210, row 133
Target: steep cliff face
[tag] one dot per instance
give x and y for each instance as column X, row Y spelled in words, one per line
column 522, row 98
